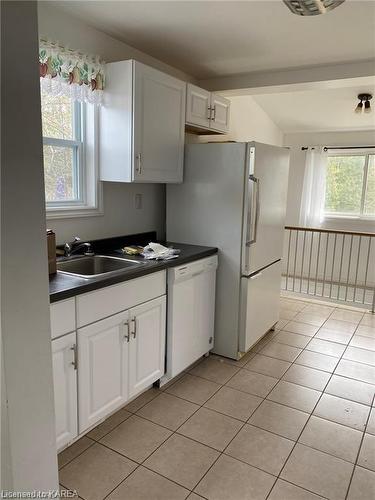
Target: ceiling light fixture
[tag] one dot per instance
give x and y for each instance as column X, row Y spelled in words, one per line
column 364, row 103
column 312, row 7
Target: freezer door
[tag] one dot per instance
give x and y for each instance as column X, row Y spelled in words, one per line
column 266, row 184
column 260, row 304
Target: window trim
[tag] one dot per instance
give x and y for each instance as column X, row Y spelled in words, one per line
column 361, row 216
column 90, row 188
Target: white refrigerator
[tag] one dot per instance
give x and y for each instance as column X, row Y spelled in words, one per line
column 234, row 197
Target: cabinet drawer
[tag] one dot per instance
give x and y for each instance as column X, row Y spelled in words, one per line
column 63, row 318
column 97, row 305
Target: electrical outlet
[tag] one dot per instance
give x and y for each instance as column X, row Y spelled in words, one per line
column 138, row 201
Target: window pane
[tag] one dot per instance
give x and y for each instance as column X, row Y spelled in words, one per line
column 370, row 188
column 344, row 181
column 57, row 116
column 59, row 173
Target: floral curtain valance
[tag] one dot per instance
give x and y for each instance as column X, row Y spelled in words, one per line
column 67, row 72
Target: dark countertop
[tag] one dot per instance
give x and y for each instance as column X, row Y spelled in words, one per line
column 62, row 286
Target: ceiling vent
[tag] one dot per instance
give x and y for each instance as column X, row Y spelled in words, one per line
column 312, row 7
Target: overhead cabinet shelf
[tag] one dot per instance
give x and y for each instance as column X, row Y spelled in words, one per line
column 206, row 112
column 142, row 124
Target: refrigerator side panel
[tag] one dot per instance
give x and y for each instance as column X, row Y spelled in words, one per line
column 264, row 218
column 260, row 305
column 207, row 210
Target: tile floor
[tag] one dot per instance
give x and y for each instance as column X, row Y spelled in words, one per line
column 294, row 419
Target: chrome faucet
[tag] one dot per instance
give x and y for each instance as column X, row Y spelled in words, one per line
column 77, row 245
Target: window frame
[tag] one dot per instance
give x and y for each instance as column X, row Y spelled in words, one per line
column 85, row 154
column 353, row 152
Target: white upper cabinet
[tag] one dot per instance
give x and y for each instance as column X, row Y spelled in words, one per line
column 142, row 125
column 220, row 108
column 198, row 108
column 206, row 112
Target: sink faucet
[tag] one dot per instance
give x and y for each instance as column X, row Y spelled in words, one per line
column 75, row 246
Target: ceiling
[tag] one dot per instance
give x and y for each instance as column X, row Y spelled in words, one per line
column 216, row 38
column 320, row 110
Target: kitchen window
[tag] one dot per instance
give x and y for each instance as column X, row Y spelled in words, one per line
column 70, row 160
column 350, row 185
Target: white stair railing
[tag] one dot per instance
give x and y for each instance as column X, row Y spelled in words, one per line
column 334, row 265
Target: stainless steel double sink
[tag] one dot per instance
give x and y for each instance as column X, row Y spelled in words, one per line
column 94, row 266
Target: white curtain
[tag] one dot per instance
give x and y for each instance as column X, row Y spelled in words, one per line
column 313, row 192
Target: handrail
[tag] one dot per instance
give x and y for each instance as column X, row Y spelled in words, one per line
column 334, row 231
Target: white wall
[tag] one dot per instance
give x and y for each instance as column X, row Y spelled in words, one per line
column 297, row 170
column 248, row 122
column 25, row 322
column 120, row 216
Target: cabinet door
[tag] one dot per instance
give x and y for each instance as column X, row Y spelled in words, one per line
column 65, row 388
column 147, row 344
column 159, row 126
column 220, row 108
column 197, row 106
column 102, row 368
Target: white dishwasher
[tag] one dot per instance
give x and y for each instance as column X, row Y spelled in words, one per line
column 191, row 312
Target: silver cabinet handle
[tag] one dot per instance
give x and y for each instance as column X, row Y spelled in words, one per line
column 213, row 114
column 139, row 163
column 209, row 112
column 134, row 332
column 74, row 362
column 127, row 334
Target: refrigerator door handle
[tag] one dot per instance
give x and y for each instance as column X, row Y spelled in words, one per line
column 253, row 218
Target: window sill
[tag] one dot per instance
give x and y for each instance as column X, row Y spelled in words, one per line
column 349, row 217
column 69, row 213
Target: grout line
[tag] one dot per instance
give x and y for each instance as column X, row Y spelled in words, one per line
column 359, row 451
column 241, row 367
column 311, row 414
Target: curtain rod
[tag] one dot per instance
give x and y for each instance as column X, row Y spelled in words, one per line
column 304, row 148
column 350, row 147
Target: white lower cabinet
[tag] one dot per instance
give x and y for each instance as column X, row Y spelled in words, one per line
column 116, row 353
column 147, row 345
column 65, row 388
column 102, row 368
column 118, row 357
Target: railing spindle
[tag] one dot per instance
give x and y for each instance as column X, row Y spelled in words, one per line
column 342, row 255
column 325, row 264
column 287, row 262
column 295, row 261
column 310, row 257
column 356, row 268
column 303, row 259
column 333, row 265
column 366, row 272
column 349, row 264
column 317, row 262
